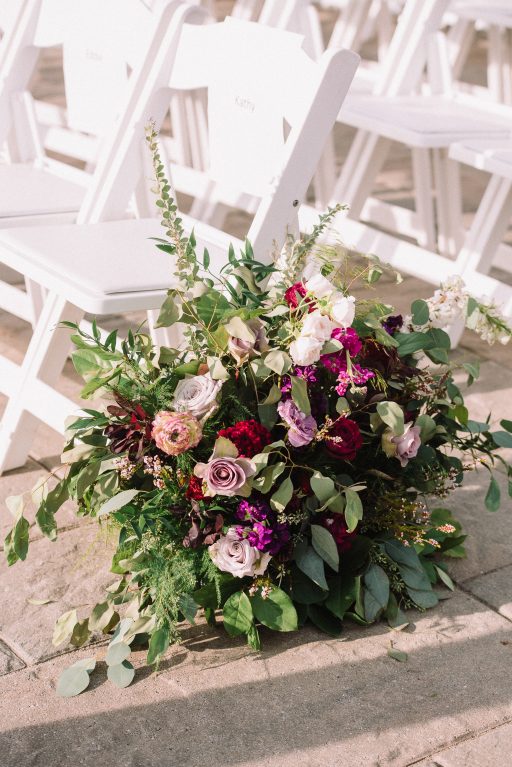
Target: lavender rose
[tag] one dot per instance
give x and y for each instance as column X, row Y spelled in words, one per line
column 301, row 428
column 402, row 446
column 238, row 557
column 226, row 475
column 175, row 433
column 197, row 395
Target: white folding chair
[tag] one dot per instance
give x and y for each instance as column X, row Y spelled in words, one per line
column 101, row 42
column 114, row 268
column 483, row 246
column 426, row 124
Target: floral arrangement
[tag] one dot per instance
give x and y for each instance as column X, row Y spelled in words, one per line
column 285, row 463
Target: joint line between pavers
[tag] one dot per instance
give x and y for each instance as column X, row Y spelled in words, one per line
column 482, row 601
column 457, row 742
column 20, row 653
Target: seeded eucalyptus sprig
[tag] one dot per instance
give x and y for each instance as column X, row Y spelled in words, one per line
column 180, row 245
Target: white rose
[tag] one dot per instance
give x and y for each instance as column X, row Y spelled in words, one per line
column 197, row 395
column 306, row 350
column 320, row 286
column 236, row 556
column 344, row 311
column 317, row 325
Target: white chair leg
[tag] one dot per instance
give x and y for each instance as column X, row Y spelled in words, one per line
column 366, row 157
column 422, row 178
column 488, row 227
column 36, row 296
column 44, row 361
column 448, row 203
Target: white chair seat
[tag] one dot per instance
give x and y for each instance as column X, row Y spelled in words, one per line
column 106, row 267
column 490, row 156
column 29, row 191
column 421, row 121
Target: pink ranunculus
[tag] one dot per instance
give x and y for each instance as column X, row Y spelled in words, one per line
column 407, row 444
column 175, row 433
column 225, row 475
column 236, row 556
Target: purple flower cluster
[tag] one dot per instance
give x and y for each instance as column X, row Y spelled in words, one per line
column 357, row 376
column 349, row 338
column 337, row 361
column 392, row 324
column 308, row 372
column 262, row 529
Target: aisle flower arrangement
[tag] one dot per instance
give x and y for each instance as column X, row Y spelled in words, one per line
column 286, row 463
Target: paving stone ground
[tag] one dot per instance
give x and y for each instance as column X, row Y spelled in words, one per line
column 305, row 700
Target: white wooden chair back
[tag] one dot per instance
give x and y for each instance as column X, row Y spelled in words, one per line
column 252, row 102
column 408, row 52
column 101, row 41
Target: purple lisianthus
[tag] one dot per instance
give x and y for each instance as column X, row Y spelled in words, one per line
column 301, row 427
column 392, row 324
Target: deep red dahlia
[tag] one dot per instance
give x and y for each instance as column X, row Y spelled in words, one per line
column 250, row 437
column 344, row 439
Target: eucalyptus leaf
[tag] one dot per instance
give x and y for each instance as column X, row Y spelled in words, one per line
column 276, row 611
column 117, row 502
column 353, row 509
column 278, row 361
column 73, row 681
column 237, row 614
column 311, row 565
column 323, row 487
column 392, row 415
column 300, row 394
column 376, row 595
column 121, row 674
column 64, row 627
column 325, row 545
column 117, row 653
column 397, row 655
column 282, row 496
column 158, row 644
column 493, row 496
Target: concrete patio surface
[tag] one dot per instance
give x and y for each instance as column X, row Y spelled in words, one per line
column 305, row 700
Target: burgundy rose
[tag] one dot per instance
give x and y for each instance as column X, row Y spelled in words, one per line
column 335, row 524
column 344, row 439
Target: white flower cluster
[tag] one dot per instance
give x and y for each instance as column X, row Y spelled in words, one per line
column 336, row 311
column 450, row 304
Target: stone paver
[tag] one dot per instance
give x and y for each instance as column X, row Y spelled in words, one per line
column 69, row 572
column 305, row 700
column 8, row 660
column 489, row 534
column 495, row 589
column 492, row 749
